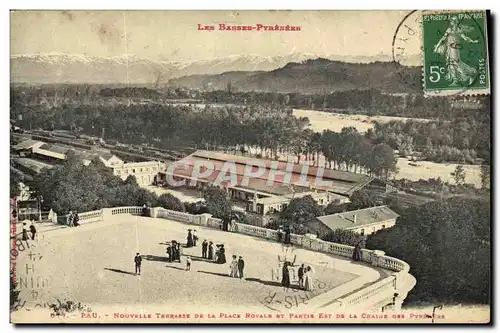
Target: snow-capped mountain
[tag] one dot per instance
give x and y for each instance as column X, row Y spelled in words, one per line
column 81, row 68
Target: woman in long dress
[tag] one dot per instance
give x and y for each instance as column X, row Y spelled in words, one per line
column 234, row 267
column 285, row 280
column 457, row 71
column 308, row 279
column 221, row 257
column 189, row 239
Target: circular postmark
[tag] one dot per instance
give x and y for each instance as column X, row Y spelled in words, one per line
column 290, row 295
column 451, row 49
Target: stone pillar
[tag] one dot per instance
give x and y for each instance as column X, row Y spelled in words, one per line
column 376, row 255
column 154, row 212
column 106, row 214
column 204, row 219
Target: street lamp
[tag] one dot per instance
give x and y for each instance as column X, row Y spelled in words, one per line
column 40, row 201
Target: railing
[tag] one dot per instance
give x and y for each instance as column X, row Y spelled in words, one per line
column 133, row 210
column 382, row 289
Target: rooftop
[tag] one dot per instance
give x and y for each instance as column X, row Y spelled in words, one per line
column 27, row 144
column 341, row 182
column 358, row 218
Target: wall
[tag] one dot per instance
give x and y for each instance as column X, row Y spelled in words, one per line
column 373, row 228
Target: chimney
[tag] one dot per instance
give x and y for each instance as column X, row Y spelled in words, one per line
column 354, row 218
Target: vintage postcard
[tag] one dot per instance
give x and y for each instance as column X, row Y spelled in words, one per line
column 250, row 167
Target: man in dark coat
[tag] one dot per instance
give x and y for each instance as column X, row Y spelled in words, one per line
column 189, row 239
column 169, row 252
column 33, row 231
column 301, row 276
column 241, row 266
column 195, row 238
column 356, row 254
column 210, row 250
column 138, row 261
column 204, row 248
column 287, row 235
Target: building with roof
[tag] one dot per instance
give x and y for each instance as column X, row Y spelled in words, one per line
column 362, row 221
column 262, row 197
column 26, row 147
column 144, row 172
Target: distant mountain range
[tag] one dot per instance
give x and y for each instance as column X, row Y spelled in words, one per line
column 259, row 73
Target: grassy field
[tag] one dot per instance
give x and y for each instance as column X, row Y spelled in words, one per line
column 426, row 170
column 321, row 121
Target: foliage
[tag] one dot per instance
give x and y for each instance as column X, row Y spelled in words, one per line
column 169, row 201
column 342, row 236
column 195, row 208
column 485, row 176
column 299, row 212
column 459, row 175
column 15, row 189
column 74, row 186
column 447, row 245
column 217, row 202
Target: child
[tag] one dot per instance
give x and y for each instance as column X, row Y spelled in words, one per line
column 188, row 263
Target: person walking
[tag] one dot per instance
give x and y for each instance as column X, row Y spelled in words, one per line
column 301, row 276
column 169, row 252
column 188, row 263
column 285, row 280
column 138, row 261
column 76, row 218
column 241, row 266
column 233, row 267
column 33, row 231
column 204, row 248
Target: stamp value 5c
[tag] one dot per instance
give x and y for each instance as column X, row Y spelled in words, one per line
column 455, row 49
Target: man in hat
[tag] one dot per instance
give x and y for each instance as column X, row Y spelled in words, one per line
column 241, row 266
column 138, row 261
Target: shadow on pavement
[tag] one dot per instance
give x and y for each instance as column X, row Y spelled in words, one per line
column 119, row 271
column 150, row 257
column 174, row 267
column 267, row 283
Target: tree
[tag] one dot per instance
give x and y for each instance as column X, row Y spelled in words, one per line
column 169, row 201
column 334, row 208
column 459, row 175
column 217, row 202
column 361, row 199
column 342, row 236
column 299, row 212
column 485, row 176
column 15, row 189
column 382, row 160
column 448, row 250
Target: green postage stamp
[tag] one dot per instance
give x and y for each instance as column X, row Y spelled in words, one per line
column 455, row 50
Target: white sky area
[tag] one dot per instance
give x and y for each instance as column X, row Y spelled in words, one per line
column 173, row 35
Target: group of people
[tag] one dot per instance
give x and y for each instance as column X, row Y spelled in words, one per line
column 24, row 235
column 207, row 252
column 236, row 267
column 191, row 238
column 174, row 251
column 305, row 275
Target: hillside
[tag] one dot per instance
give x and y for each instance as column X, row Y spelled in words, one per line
column 313, row 76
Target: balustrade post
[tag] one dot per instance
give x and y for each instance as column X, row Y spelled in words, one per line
column 106, row 214
column 204, row 219
column 154, row 212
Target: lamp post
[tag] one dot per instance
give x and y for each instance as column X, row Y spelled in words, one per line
column 40, row 201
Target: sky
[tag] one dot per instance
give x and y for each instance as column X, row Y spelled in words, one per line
column 173, row 35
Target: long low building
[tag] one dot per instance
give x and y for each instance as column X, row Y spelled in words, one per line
column 300, row 177
column 363, row 221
